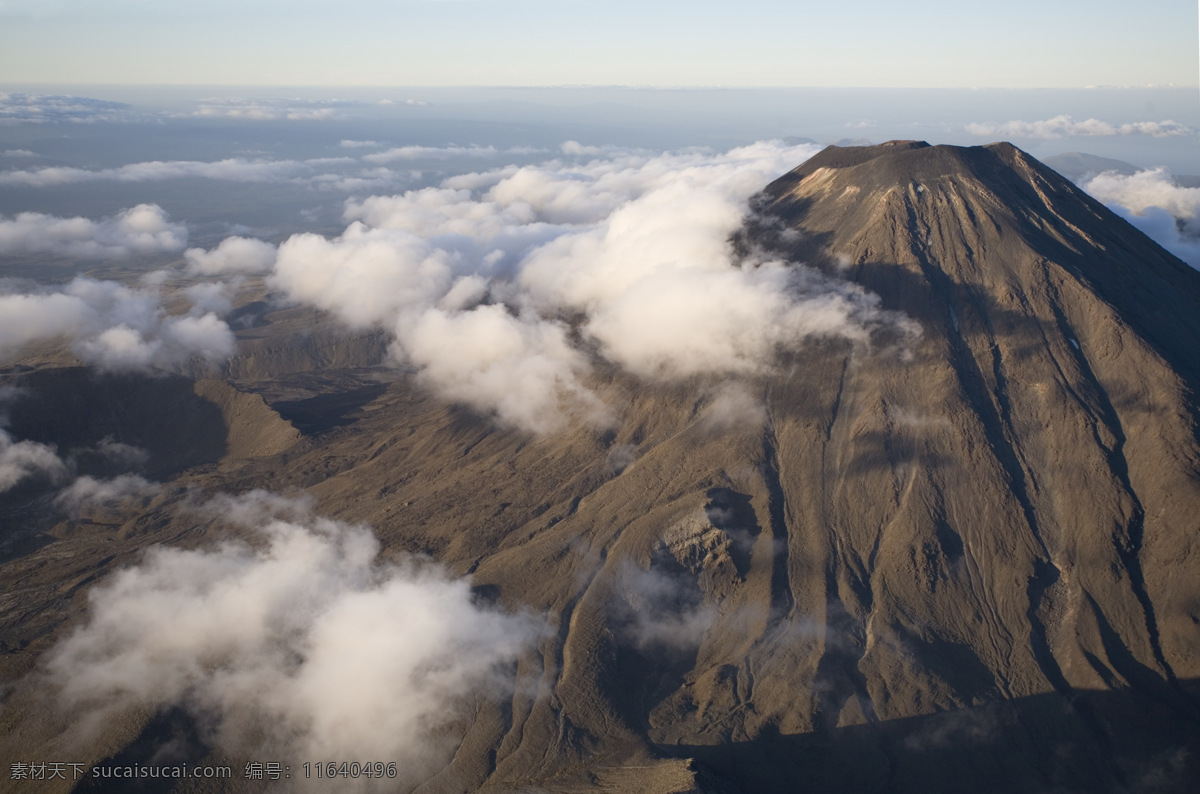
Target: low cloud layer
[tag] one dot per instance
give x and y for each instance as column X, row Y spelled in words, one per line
column 500, row 286
column 345, row 174
column 112, row 326
column 1064, row 126
column 234, row 169
column 299, row 642
column 430, row 153
column 144, row 229
column 275, row 109
column 1151, row 201
column 19, row 108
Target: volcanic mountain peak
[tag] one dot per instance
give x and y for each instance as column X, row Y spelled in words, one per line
column 975, row 221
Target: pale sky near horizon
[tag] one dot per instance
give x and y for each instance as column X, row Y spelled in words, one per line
column 932, row 43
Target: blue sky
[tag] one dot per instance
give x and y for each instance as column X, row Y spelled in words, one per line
column 934, row 43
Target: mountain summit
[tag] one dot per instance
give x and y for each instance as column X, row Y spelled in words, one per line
column 964, row 558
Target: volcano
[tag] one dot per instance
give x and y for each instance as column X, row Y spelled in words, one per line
column 961, row 557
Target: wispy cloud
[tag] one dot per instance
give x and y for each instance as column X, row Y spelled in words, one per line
column 1065, row 126
column 17, row 108
column 231, row 169
column 344, row 174
column 273, row 109
column 430, row 153
column 87, row 493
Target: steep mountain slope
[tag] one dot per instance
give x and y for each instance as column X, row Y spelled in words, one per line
column 964, row 559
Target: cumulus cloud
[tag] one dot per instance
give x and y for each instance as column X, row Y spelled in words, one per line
column 522, row 369
column 352, row 144
column 23, row 459
column 19, row 153
column 300, row 642
column 111, row 325
column 1065, row 126
column 233, row 256
column 1152, row 202
column 144, row 229
column 499, row 285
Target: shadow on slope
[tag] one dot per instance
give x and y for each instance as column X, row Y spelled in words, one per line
column 1097, row 742
column 77, row 408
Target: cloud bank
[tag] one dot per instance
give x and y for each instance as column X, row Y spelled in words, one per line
column 233, row 169
column 1064, row 126
column 144, row 229
column 300, row 642
column 502, row 286
column 1151, row 201
column 19, row 108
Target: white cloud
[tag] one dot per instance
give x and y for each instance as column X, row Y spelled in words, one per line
column 521, row 369
column 664, row 611
column 577, row 149
column 272, row 109
column 732, row 407
column 367, row 276
column 1145, row 189
column 232, row 169
column 1065, row 126
column 430, row 153
column 22, row 459
column 304, row 645
column 1151, row 201
column 89, row 493
column 234, row 256
column 112, row 326
column 122, row 454
column 475, row 276
column 18, row 108
column 365, row 180
column 210, row 297
column 351, row 144
column 144, row 229
column 18, row 153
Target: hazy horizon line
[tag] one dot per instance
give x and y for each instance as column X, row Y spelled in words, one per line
column 609, row 86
